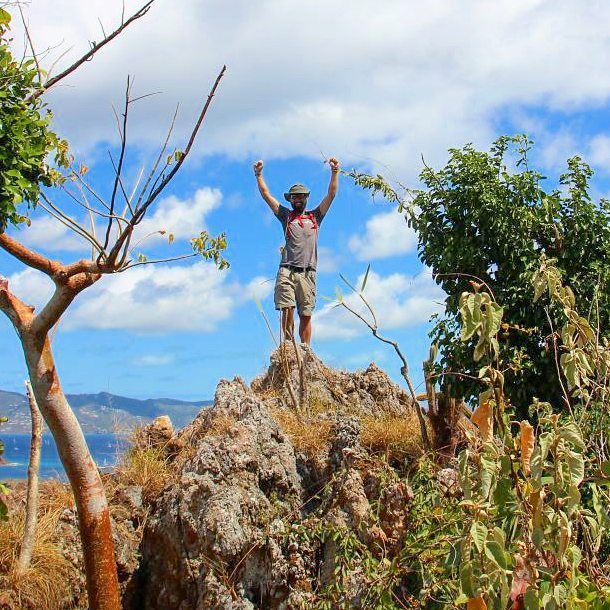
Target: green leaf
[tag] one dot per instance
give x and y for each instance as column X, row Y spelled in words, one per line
column 478, row 533
column 366, row 277
column 496, row 553
column 530, row 599
column 467, row 581
column 5, row 17
column 576, row 464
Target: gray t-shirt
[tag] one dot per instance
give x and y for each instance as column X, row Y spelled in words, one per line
column 301, row 249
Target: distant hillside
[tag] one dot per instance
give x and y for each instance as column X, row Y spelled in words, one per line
column 103, row 412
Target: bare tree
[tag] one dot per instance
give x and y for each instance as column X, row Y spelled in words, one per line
column 31, row 503
column 111, row 253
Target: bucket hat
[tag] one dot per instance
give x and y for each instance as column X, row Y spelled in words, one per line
column 296, row 189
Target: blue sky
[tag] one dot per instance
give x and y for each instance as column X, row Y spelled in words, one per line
column 376, row 85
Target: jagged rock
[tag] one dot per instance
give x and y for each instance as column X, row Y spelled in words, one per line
column 156, row 434
column 231, row 529
column 367, row 392
column 208, row 538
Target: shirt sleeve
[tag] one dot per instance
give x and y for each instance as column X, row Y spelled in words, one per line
column 317, row 214
column 282, row 215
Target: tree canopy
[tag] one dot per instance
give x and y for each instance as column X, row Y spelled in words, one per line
column 486, row 217
column 26, row 139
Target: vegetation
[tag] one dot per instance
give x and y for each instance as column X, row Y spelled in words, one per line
column 486, row 218
column 27, row 142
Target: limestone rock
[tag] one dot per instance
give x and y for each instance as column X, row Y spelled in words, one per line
column 208, row 539
column 367, row 392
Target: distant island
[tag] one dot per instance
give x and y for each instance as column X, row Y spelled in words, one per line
column 102, row 412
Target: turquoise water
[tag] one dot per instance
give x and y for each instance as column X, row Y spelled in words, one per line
column 105, row 448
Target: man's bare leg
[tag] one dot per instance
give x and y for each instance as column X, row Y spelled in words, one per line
column 288, row 322
column 305, row 329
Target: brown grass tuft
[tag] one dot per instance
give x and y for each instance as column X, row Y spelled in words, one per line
column 311, row 435
column 46, row 584
column 396, row 436
column 148, row 468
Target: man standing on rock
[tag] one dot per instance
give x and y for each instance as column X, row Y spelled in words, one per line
column 296, row 278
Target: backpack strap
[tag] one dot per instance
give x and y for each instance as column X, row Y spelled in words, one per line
column 299, row 217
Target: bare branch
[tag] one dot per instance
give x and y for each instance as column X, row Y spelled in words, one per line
column 141, row 211
column 156, row 164
column 160, row 260
column 27, row 33
column 189, row 145
column 94, row 49
column 404, row 371
column 28, row 256
column 14, row 308
column 119, row 168
column 54, row 211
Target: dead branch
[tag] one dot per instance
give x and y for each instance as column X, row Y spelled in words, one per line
column 31, row 505
column 92, row 51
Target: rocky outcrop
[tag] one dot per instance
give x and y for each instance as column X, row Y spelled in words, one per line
column 368, row 392
column 208, row 544
column 233, row 530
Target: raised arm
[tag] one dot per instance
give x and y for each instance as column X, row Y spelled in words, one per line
column 333, row 185
column 263, row 189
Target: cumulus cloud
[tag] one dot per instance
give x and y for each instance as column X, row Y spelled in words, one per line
column 31, row 286
column 395, row 79
column 181, row 217
column 47, row 233
column 599, row 152
column 149, row 299
column 399, row 301
column 384, row 235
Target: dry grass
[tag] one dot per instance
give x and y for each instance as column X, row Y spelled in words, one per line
column 148, row 468
column 395, row 436
column 46, row 584
column 311, row 435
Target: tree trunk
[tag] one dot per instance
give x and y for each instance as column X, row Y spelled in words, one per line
column 31, row 506
column 84, row 477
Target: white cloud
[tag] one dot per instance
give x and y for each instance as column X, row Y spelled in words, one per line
column 599, row 152
column 398, row 301
column 154, row 360
column 183, row 218
column 47, row 233
column 380, row 81
column 149, row 299
column 328, row 260
column 32, row 287
column 385, row 235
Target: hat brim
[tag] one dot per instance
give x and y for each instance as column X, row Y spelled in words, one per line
column 287, row 196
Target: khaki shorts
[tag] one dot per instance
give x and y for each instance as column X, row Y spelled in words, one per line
column 295, row 287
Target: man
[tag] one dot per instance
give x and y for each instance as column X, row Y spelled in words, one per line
column 296, row 278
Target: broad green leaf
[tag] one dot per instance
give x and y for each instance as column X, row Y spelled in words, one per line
column 496, row 553
column 478, row 532
column 467, row 580
column 530, row 599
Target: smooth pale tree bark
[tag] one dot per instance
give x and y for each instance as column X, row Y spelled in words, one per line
column 83, row 475
column 113, row 255
column 31, row 504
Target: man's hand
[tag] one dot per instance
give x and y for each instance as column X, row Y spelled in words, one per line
column 334, row 165
column 258, row 168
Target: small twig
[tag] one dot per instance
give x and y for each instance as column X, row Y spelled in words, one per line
column 92, row 51
column 27, row 33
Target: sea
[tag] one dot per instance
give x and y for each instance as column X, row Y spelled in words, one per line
column 105, row 449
